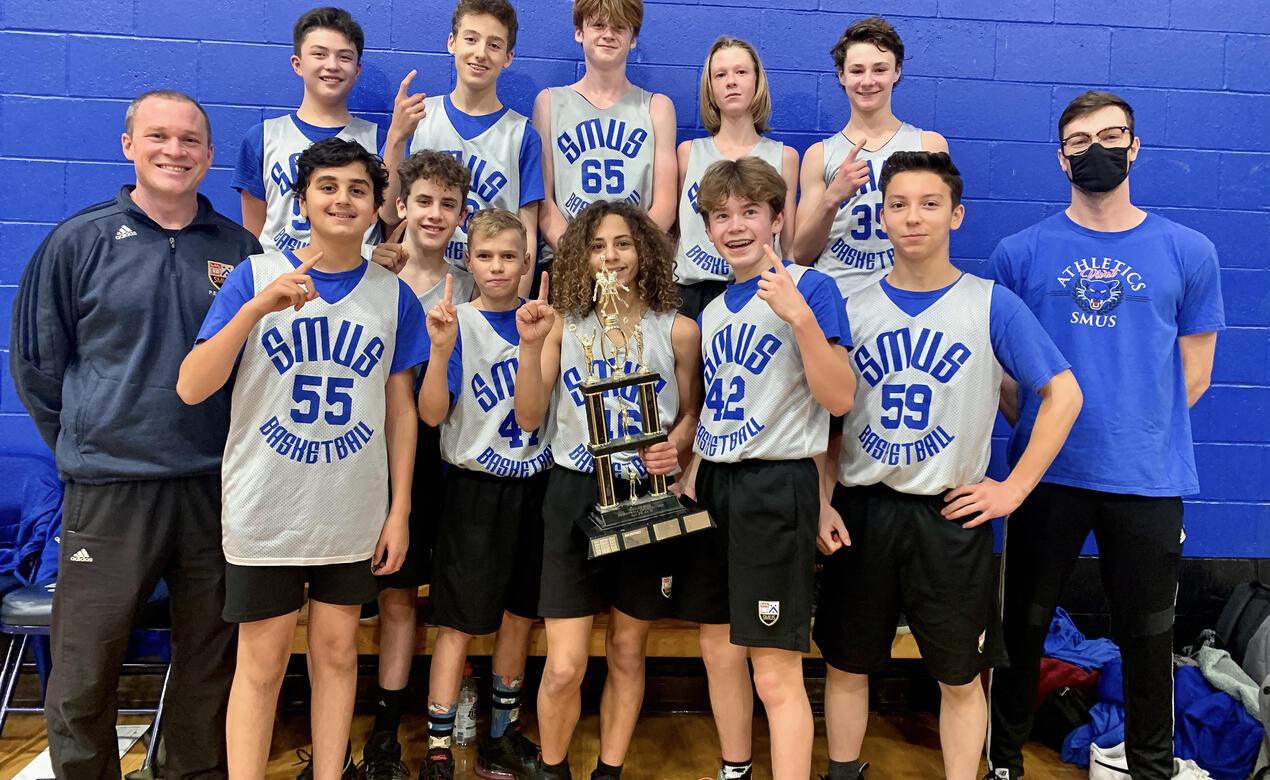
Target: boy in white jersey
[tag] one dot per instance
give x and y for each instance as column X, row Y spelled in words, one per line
column 496, row 143
column 322, row 424
column 912, row 501
column 609, row 139
column 488, row 556
column 775, row 367
column 328, row 57
column 433, row 190
column 839, row 232
column 735, row 107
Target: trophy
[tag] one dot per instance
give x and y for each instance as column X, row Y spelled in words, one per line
column 613, row 525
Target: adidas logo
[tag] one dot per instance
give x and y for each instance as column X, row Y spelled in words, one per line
column 82, row 556
column 124, row 232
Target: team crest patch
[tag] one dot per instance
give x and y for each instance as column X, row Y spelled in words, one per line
column 1096, row 296
column 769, row 612
column 216, row 272
column 666, row 583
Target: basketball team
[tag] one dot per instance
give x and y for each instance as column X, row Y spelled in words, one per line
column 376, row 382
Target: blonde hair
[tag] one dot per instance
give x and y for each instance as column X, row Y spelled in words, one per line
column 487, row 223
column 760, row 106
column 628, row 13
column 573, row 284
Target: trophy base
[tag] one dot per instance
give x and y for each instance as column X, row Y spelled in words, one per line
column 636, row 523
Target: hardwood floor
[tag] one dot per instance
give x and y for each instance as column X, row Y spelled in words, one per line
column 666, row 747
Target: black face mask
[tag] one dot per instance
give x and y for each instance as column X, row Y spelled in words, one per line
column 1099, row 169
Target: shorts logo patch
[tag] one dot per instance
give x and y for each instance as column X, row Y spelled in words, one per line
column 769, row 612
column 666, row 583
column 983, row 638
column 216, row 272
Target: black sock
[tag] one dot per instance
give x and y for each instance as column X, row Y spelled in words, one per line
column 846, row 770
column 388, row 708
column 738, row 770
column 605, row 772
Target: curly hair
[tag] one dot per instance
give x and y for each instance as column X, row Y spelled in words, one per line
column 572, row 284
column 336, row 153
column 440, row 168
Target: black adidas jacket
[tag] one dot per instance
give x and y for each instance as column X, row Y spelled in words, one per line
column 105, row 312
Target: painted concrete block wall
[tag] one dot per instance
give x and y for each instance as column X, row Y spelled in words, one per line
column 991, row 75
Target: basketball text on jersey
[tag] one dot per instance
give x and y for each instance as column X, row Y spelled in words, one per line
column 282, row 181
column 907, row 405
column 310, row 340
column 606, row 176
column 490, row 388
column 580, row 456
column 742, row 344
column 698, row 254
column 1098, row 286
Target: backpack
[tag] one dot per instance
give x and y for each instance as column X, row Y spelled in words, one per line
column 1244, row 612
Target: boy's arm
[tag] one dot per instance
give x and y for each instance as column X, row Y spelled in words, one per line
column 934, row 142
column 663, row 457
column 1008, row 403
column 400, row 432
column 832, row 534
column 1197, row 352
column 662, row 206
column 551, row 221
column 528, row 215
column 407, row 110
column 208, row 366
column 443, row 331
column 254, row 212
column 821, row 201
column 789, row 172
column 1060, row 403
column 540, row 334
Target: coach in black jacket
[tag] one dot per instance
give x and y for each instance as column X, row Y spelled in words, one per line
column 105, row 312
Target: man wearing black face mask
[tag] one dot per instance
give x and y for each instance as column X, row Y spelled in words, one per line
column 1134, row 302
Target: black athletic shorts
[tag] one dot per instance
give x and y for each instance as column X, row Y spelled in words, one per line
column 261, row 592
column 766, row 512
column 637, row 581
column 426, row 491
column 488, row 555
column 905, row 555
column 694, row 297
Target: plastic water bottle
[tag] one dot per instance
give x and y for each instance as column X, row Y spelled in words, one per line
column 465, row 714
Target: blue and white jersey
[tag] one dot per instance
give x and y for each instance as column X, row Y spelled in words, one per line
column 1116, row 303
column 570, row 432
column 858, row 252
column 601, row 154
column 266, row 169
column 758, row 405
column 501, row 150
column 696, row 259
column 928, row 369
column 305, row 475
column 480, row 432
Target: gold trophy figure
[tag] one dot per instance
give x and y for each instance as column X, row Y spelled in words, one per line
column 615, row 525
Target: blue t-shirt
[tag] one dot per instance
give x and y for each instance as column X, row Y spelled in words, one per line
column 251, row 154
column 820, row 292
column 529, row 160
column 412, row 345
column 1115, row 304
column 1020, row 344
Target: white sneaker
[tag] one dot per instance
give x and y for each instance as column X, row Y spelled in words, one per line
column 1107, row 763
column 1188, row 770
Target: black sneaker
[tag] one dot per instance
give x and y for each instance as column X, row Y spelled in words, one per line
column 508, row 757
column 381, row 758
column 438, row 765
column 540, row 771
column 1001, row 773
column 306, row 772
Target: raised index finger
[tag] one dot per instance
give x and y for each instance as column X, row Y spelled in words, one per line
column 449, row 287
column 775, row 260
column 397, row 233
column 542, row 289
column 855, row 150
column 405, row 83
column 307, row 265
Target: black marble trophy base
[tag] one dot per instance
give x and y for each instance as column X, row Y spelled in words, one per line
column 647, row 519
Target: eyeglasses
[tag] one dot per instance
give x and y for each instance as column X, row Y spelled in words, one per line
column 1078, row 143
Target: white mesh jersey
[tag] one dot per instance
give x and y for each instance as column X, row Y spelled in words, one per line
column 696, row 259
column 569, row 433
column 926, row 391
column 305, row 476
column 461, row 290
column 857, row 251
column 757, row 406
column 493, row 157
column 601, row 154
column 480, row 432
column 284, row 227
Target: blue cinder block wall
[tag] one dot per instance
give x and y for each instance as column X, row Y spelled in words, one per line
column 991, row 75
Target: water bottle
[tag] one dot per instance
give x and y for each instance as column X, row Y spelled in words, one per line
column 465, row 714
